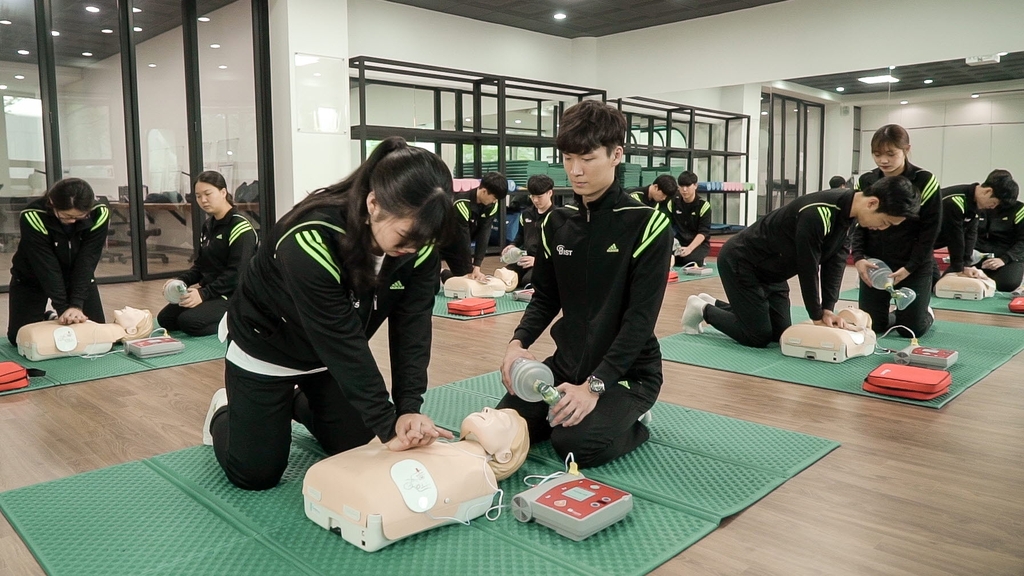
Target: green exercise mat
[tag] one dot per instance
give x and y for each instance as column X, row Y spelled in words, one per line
column 503, row 305
column 981, row 349
column 998, row 304
column 176, row 513
column 688, row 278
column 76, row 369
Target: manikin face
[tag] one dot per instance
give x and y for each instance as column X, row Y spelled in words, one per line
column 890, row 159
column 211, row 199
column 592, row 173
column 655, row 193
column 542, row 201
column 389, row 232
column 493, row 429
column 985, row 199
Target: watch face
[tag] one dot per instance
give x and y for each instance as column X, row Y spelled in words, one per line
column 596, row 386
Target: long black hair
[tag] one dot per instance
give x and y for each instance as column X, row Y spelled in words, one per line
column 406, row 182
column 71, row 193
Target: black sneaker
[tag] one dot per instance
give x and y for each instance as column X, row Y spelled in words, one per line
column 50, row 315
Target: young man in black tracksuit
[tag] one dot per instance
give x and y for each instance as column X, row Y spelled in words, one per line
column 527, row 239
column 475, row 212
column 603, row 266
column 799, row 239
column 660, row 194
column 1001, row 232
column 691, row 217
column 908, row 249
column 62, row 238
column 960, row 207
column 226, row 245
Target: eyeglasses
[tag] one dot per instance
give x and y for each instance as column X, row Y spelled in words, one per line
column 70, row 216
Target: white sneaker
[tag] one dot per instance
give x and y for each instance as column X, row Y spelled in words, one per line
column 220, row 399
column 693, row 315
column 931, row 313
column 646, row 418
column 707, row 298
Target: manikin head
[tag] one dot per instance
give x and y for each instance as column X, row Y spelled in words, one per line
column 502, row 434
column 138, row 323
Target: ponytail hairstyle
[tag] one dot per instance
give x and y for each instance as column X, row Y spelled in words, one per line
column 71, row 193
column 407, row 182
column 215, row 179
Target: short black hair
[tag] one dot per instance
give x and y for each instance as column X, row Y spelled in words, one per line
column 836, row 182
column 896, row 197
column 667, row 184
column 496, row 184
column 589, row 125
column 540, row 184
column 1003, row 186
column 687, row 178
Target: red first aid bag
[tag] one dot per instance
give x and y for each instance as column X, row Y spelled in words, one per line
column 472, row 306
column 14, row 375
column 908, row 381
column 1017, row 305
column 673, row 276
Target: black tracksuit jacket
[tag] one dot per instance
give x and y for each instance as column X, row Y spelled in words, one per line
column 688, row 220
column 60, row 259
column 225, row 248
column 1001, row 231
column 528, row 236
column 959, row 231
column 910, row 245
column 295, row 307
column 796, row 239
column 475, row 222
column 604, row 266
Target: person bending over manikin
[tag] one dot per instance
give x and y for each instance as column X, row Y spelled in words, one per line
column 51, row 339
column 383, row 495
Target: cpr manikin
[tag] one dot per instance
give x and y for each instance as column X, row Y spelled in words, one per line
column 373, row 496
column 50, row 339
column 828, row 344
column 463, row 287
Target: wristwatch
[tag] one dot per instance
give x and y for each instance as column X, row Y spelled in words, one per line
column 596, row 385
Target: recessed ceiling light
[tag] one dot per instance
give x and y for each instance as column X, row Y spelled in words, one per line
column 92, row 9
column 468, row 119
column 137, row 29
column 3, row 86
column 892, row 67
column 214, row 45
column 151, row 65
column 19, row 77
column 23, row 52
column 5, row 22
column 796, row 109
column 1002, row 54
column 975, row 95
column 316, row 74
column 764, row 113
column 230, row 153
column 204, row 19
column 222, row 67
column 86, row 53
column 929, row 81
column 518, row 121
column 840, row 89
column 904, row 102
column 879, row 79
column 107, row 31
column 559, row 16
column 54, row 33
column 136, row 10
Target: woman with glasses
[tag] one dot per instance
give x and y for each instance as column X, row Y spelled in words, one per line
column 62, row 238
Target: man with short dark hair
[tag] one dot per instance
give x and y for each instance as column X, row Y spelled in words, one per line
column 836, row 182
column 541, row 188
column 692, row 219
column 475, row 211
column 807, row 235
column 603, row 265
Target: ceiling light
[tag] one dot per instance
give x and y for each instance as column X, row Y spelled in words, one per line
column 137, row 29
column 892, row 67
column 840, row 89
column 92, row 9
column 23, row 52
column 204, row 18
column 764, row 113
column 975, row 95
column 879, row 79
column 214, row 46
column 222, row 67
column 5, row 22
column 929, row 81
column 19, row 77
column 796, row 109
column 136, row 10
column 151, row 65
column 468, row 119
column 519, row 121
column 1002, row 54
column 86, row 53
column 230, row 153
column 107, row 31
column 3, row 86
column 316, row 74
column 559, row 16
column 54, row 33
column 904, row 101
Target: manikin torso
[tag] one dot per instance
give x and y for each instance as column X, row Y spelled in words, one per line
column 49, row 339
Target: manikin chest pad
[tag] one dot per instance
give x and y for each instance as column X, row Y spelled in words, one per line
column 965, row 288
column 462, row 287
column 49, row 339
column 826, row 344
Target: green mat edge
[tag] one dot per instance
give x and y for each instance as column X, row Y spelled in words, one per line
column 852, row 295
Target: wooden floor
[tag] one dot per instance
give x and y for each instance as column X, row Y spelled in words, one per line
column 911, row 491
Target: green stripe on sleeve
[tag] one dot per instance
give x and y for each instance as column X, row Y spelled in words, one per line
column 655, row 226
column 544, row 235
column 423, row 254
column 317, row 257
column 1020, row 216
column 238, row 230
column 929, row 189
column 704, row 209
column 462, row 206
column 101, row 219
column 959, row 201
column 35, row 222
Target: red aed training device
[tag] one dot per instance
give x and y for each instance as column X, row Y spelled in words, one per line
column 908, row 381
column 472, row 306
column 572, row 505
column 1017, row 305
column 673, row 277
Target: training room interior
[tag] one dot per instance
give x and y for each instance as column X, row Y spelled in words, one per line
column 910, row 489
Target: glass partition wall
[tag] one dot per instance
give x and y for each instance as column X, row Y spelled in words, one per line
column 135, row 99
column 793, row 137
